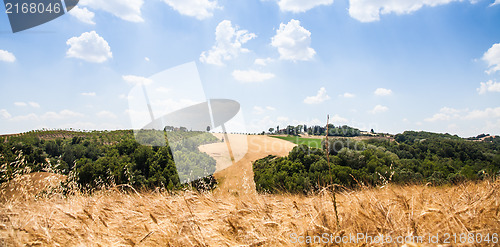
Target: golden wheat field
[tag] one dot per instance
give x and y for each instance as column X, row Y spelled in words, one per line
column 116, row 218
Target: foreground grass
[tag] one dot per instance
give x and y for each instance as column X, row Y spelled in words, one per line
column 114, row 218
column 310, row 142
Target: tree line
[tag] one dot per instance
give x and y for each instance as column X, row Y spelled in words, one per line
column 316, row 130
column 103, row 158
column 411, row 158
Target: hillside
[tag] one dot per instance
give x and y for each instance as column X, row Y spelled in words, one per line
column 234, row 214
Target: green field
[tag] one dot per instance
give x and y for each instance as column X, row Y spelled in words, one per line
column 310, row 142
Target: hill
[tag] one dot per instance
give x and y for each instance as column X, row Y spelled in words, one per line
column 234, row 214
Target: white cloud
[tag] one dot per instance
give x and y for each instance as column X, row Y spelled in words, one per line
column 31, row 103
column 90, row 47
column 263, row 61
column 293, row 42
column 438, row 117
column 61, row 115
column 445, row 114
column 282, row 119
column 495, row 3
column 492, row 57
column 83, row 14
column 382, row 92
column 137, row 80
column 379, row 109
column 348, row 95
column 451, row 111
column 228, row 44
column 24, row 118
column 34, row 104
column 321, row 96
column 251, row 76
column 64, row 114
column 370, row 10
column 106, row 114
column 200, row 9
column 297, row 6
column 89, row 94
column 261, row 110
column 5, row 114
column 258, row 110
column 486, row 113
column 147, row 59
column 129, row 10
column 489, row 86
column 7, row 56
column 336, row 119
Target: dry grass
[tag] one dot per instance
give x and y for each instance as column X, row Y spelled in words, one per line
column 114, row 218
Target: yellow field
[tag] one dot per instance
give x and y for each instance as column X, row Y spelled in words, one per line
column 112, row 218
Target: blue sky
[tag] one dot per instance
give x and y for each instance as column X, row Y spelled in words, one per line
column 429, row 65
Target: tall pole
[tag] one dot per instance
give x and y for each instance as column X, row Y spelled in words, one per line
column 328, row 148
column 330, row 172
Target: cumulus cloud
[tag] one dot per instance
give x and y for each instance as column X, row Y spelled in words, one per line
column 136, row 80
column 89, row 94
column 486, row 113
column 320, row 97
column 61, row 115
column 293, row 42
column 382, row 92
column 228, row 44
column 89, row 47
column 337, row 119
column 30, row 103
column 128, row 10
column 251, row 76
column 445, row 114
column 200, row 9
column 64, row 114
column 369, row 10
column 298, row 6
column 489, row 86
column 7, row 56
column 5, row 114
column 348, row 95
column 492, row 57
column 106, row 114
column 379, row 109
column 83, row 14
column 263, row 61
column 258, row 110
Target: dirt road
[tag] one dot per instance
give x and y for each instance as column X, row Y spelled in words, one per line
column 238, row 177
